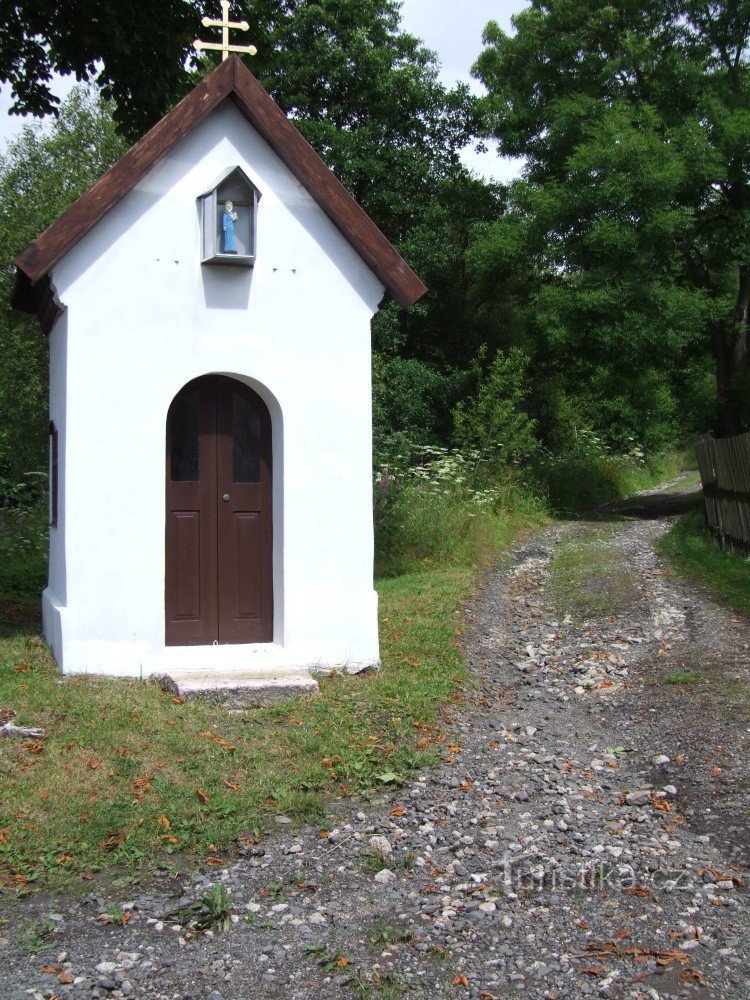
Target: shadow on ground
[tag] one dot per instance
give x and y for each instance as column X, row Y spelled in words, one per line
column 650, row 506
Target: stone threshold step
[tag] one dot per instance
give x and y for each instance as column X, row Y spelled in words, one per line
column 238, row 692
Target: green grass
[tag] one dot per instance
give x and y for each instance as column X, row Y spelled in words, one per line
column 435, row 527
column 695, row 555
column 126, row 776
column 683, row 677
column 590, row 580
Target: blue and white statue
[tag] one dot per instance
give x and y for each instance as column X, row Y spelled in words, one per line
column 228, row 221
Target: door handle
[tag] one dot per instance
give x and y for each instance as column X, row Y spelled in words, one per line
column 225, row 498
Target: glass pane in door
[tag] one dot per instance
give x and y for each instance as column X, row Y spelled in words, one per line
column 245, row 440
column 184, row 427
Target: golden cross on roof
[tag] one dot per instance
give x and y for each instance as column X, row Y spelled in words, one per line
column 225, row 24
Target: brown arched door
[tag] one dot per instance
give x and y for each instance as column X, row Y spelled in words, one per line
column 219, row 574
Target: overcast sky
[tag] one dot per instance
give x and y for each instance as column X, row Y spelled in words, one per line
column 454, row 32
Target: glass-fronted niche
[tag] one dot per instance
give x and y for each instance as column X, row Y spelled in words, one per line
column 229, row 213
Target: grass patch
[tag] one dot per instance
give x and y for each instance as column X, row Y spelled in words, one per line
column 439, row 525
column 588, row 580
column 694, row 554
column 683, row 677
column 126, row 776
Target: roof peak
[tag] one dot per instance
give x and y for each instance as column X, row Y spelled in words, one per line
column 230, row 80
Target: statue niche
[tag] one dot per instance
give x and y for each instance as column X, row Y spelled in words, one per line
column 228, row 220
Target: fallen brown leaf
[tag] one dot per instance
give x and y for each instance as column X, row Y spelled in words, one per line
column 692, row 976
column 661, row 804
column 639, row 890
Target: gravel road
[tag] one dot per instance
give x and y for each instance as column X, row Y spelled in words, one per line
column 585, row 835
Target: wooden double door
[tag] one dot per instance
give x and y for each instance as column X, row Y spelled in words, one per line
column 219, row 532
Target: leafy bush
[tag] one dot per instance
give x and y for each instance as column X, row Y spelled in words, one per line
column 443, row 510
column 575, row 482
column 411, row 400
column 23, row 551
column 494, row 421
column 586, row 474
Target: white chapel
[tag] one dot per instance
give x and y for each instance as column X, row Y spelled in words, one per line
column 208, row 303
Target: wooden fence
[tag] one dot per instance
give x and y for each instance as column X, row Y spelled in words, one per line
column 725, row 473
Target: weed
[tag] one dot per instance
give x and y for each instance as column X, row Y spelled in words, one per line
column 274, row 890
column 115, row 914
column 34, row 934
column 683, row 677
column 378, row 986
column 330, row 961
column 211, row 911
column 384, row 933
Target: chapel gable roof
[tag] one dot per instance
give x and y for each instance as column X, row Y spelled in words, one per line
column 233, row 81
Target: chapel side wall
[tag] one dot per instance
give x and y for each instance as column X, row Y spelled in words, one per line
column 55, row 593
column 58, row 366
column 144, row 319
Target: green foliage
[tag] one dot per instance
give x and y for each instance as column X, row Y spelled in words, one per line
column 367, row 97
column 585, row 475
column 493, row 421
column 683, row 677
column 41, row 173
column 23, row 548
column 445, row 510
column 695, row 554
column 408, row 397
column 143, row 71
column 577, row 482
column 634, row 209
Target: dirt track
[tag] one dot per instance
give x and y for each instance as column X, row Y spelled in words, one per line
column 586, row 834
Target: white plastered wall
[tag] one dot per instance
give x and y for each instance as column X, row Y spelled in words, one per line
column 142, row 319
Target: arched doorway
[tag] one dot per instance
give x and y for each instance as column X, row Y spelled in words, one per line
column 219, row 575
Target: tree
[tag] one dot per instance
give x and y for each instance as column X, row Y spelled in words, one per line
column 494, row 420
column 137, row 56
column 41, row 173
column 368, row 98
column 634, row 117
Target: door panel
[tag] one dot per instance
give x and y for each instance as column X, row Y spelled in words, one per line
column 187, row 528
column 245, row 536
column 246, row 551
column 219, row 577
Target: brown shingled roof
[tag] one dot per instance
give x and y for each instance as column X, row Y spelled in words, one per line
column 233, row 81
